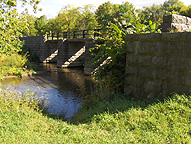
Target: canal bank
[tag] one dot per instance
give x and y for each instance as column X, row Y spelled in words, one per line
column 60, row 90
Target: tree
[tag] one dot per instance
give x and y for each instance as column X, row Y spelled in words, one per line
column 111, row 58
column 155, row 13
column 12, row 24
column 111, row 13
column 105, row 14
column 87, row 18
column 30, row 29
column 186, row 11
column 71, row 18
column 173, row 6
column 41, row 25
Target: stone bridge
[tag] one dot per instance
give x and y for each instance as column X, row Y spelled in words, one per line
column 64, row 52
column 157, row 64
column 71, row 49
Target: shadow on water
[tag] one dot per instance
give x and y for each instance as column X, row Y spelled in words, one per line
column 61, row 90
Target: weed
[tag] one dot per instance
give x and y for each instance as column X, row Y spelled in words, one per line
column 118, row 120
column 12, row 65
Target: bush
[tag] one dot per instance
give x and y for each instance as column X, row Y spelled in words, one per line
column 12, row 64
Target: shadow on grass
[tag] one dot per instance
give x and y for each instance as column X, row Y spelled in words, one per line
column 106, row 102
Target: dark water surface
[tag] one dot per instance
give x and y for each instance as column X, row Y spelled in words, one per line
column 61, row 90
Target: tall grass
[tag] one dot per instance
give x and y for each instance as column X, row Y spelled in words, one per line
column 12, row 64
column 119, row 120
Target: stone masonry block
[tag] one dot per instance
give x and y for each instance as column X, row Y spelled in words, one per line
column 185, row 36
column 132, row 70
column 174, row 18
column 149, row 48
column 158, row 68
column 130, row 47
column 179, row 64
column 152, row 86
column 173, row 49
column 159, row 61
column 129, row 90
column 167, row 19
column 146, row 73
column 144, row 60
column 170, row 37
column 180, row 27
column 139, row 60
column 131, row 59
column 134, row 81
column 152, row 73
column 188, row 22
column 150, row 37
column 132, row 37
column 185, row 80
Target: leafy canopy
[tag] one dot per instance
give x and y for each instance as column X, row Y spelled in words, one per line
column 73, row 18
column 111, row 58
column 12, row 24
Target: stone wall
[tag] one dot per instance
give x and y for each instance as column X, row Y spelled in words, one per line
column 51, row 51
column 88, row 55
column 35, row 44
column 71, row 54
column 158, row 64
column 41, row 47
column 66, row 53
column 176, row 23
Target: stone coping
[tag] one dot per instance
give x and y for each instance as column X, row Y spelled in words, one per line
column 181, row 36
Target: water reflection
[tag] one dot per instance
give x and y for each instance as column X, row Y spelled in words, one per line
column 61, row 89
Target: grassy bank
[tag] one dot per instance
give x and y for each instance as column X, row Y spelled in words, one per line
column 116, row 121
column 14, row 65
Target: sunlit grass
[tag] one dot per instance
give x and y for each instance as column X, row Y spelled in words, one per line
column 13, row 65
column 118, row 120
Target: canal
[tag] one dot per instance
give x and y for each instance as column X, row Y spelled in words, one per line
column 61, row 90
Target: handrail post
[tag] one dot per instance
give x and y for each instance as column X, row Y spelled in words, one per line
column 48, row 35
column 64, row 35
column 52, row 36
column 57, row 35
column 74, row 34
column 96, row 33
column 84, row 35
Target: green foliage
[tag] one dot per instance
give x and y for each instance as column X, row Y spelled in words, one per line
column 112, row 71
column 41, row 25
column 119, row 120
column 121, row 20
column 12, row 25
column 111, row 58
column 186, row 11
column 87, row 18
column 71, row 18
column 155, row 13
column 173, row 6
column 12, row 64
column 30, row 29
column 110, row 13
column 140, row 122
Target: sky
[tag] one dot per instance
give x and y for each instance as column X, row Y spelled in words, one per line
column 50, row 8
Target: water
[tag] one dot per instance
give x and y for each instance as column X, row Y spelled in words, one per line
column 61, row 90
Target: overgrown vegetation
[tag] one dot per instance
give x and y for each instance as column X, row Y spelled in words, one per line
column 118, row 120
column 72, row 18
column 106, row 116
column 12, row 64
column 122, row 20
column 11, row 26
column 111, row 58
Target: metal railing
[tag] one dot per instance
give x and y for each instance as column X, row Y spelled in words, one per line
column 82, row 34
